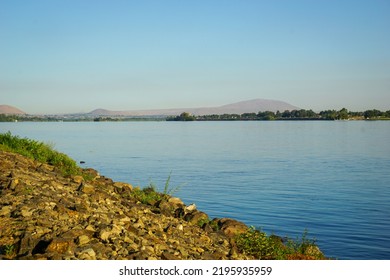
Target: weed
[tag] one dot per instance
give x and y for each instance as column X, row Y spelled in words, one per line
column 8, row 250
column 167, row 189
column 203, row 222
column 214, row 225
column 147, row 195
column 150, row 194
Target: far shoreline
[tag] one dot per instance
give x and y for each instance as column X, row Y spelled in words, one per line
column 294, row 115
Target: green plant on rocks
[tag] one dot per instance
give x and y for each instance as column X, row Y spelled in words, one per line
column 147, row 195
column 258, row 244
column 203, row 222
column 39, row 151
column 151, row 195
column 8, row 250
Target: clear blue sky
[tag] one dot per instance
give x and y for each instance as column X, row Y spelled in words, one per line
column 75, row 56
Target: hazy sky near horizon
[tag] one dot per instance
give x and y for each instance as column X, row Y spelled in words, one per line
column 79, row 55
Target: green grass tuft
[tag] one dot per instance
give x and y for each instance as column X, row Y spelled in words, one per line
column 39, row 151
column 151, row 194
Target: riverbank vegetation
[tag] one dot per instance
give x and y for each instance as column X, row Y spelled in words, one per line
column 39, row 151
column 257, row 243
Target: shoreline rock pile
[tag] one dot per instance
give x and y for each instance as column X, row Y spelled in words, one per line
column 44, row 215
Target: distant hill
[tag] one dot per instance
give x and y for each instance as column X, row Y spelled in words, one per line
column 9, row 110
column 249, row 106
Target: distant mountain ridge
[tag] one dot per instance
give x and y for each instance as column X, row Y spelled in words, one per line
column 10, row 110
column 249, row 106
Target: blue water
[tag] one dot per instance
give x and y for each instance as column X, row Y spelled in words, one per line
column 331, row 178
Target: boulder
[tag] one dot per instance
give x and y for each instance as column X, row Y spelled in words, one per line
column 86, row 188
column 61, row 246
column 197, row 218
column 231, row 227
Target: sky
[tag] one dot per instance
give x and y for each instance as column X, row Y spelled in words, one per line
column 78, row 55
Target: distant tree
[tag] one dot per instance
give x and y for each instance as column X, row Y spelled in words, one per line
column 267, row 115
column 249, row 116
column 301, row 113
column 329, row 114
column 185, row 117
column 343, row 114
column 294, row 114
column 311, row 114
column 371, row 114
column 286, row 114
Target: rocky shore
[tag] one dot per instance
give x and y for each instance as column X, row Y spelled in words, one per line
column 45, row 215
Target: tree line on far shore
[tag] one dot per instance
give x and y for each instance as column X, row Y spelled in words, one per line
column 302, row 114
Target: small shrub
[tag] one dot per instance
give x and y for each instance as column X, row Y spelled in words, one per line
column 256, row 243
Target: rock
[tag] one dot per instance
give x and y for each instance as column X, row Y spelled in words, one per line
column 92, row 173
column 83, row 239
column 231, row 227
column 175, row 201
column 122, row 187
column 196, row 218
column 26, row 213
column 5, row 211
column 27, row 244
column 86, row 188
column 13, row 183
column 61, row 246
column 87, row 254
column 104, row 235
column 90, row 228
column 167, row 208
column 190, row 208
column 169, row 256
column 78, row 179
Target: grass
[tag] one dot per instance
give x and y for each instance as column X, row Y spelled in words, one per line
column 8, row 250
column 150, row 194
column 39, row 151
column 258, row 244
column 147, row 195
